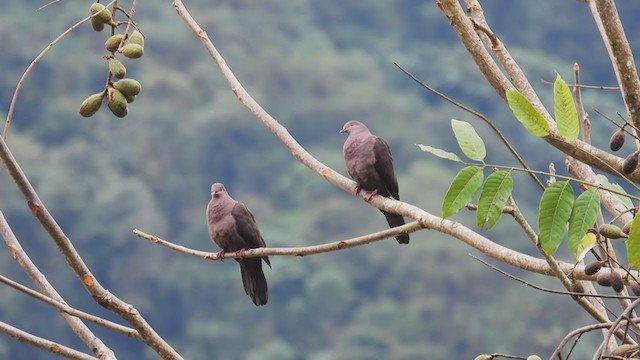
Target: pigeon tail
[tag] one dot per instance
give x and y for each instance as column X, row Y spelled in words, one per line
column 255, row 284
column 395, row 220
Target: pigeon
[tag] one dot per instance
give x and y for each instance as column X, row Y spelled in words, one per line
column 370, row 165
column 233, row 228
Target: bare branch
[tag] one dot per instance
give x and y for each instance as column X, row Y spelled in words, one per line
column 17, row 252
column 610, row 26
column 43, row 344
column 295, row 251
column 91, row 284
column 71, row 311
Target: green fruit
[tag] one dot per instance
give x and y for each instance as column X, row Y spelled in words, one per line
column 593, row 268
column 616, row 281
column 132, row 51
column 113, row 42
column 97, row 24
column 611, row 231
column 533, row 357
column 627, row 227
column 91, row 105
column 104, row 15
column 117, row 68
column 130, row 98
column 136, row 37
column 128, row 86
column 117, row 103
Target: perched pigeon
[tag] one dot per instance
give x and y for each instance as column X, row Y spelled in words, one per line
column 233, row 228
column 369, row 163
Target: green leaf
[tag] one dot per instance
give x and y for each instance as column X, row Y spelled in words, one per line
column 587, row 243
column 494, row 195
column 616, row 187
column 462, row 190
column 583, row 217
column 440, row 153
column 565, row 110
column 553, row 215
column 633, row 243
column 468, row 139
column 527, row 114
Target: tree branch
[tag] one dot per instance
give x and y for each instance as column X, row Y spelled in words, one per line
column 580, row 150
column 17, row 252
column 621, row 55
column 43, row 344
column 91, row 284
column 294, row 251
column 71, row 311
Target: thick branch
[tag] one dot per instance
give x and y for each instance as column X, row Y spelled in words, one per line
column 78, row 327
column 43, row 344
column 622, row 57
column 580, row 150
column 91, row 284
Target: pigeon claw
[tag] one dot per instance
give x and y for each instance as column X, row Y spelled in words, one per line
column 371, row 194
column 241, row 252
column 220, row 255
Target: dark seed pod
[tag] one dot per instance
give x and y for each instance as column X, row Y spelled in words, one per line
column 635, row 287
column 616, row 281
column 611, row 231
column 603, row 279
column 117, row 102
column 91, row 105
column 132, row 51
column 117, row 68
column 576, row 287
column 593, row 268
column 617, row 140
column 627, row 227
column 630, row 163
column 113, row 42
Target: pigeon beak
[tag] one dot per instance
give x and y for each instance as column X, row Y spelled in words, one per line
column 342, row 131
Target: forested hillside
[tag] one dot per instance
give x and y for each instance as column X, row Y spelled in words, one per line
column 313, row 65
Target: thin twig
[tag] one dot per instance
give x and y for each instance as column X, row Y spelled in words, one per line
column 16, row 93
column 43, row 343
column 504, row 140
column 583, row 86
column 552, row 291
column 71, row 311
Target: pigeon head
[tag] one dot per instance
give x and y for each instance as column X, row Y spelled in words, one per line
column 218, row 190
column 354, row 126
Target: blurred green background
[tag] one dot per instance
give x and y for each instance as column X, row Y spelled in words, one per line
column 313, row 65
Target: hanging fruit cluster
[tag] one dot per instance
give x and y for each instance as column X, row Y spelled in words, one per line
column 611, row 278
column 120, row 93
